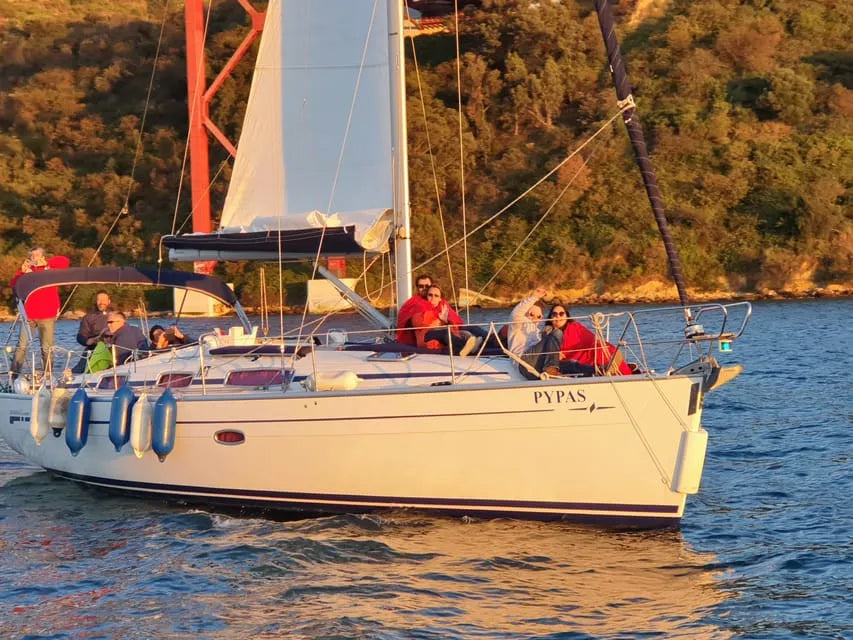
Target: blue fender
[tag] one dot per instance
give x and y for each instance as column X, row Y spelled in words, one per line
column 77, row 425
column 163, row 427
column 120, row 409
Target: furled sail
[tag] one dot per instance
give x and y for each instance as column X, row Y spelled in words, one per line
column 314, row 154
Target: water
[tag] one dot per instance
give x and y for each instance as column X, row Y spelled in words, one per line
column 764, row 550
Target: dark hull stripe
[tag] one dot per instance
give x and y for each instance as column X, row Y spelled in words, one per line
column 353, row 418
column 346, row 503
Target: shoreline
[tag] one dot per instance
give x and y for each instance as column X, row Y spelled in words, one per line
column 574, row 297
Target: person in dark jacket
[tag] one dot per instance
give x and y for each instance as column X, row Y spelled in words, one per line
column 41, row 307
column 125, row 337
column 93, row 325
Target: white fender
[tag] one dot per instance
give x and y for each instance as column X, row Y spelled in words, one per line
column 341, row 381
column 58, row 413
column 690, row 461
column 140, row 425
column 39, row 414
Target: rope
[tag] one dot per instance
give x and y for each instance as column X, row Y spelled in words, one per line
column 364, row 269
column 265, row 317
column 597, row 321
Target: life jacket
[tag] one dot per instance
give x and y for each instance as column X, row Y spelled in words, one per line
column 101, row 358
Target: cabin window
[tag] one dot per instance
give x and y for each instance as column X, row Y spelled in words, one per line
column 390, row 356
column 111, row 382
column 258, row 377
column 174, row 380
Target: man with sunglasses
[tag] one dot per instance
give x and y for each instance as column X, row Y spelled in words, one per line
column 126, row 338
column 417, row 303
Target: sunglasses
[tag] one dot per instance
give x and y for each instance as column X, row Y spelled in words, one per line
column 424, row 286
column 559, row 314
column 534, row 316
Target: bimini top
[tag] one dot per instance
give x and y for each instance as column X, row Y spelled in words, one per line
column 213, row 287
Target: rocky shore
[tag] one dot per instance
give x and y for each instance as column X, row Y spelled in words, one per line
column 653, row 292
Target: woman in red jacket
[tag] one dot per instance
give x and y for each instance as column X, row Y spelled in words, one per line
column 41, row 307
column 581, row 345
column 437, row 320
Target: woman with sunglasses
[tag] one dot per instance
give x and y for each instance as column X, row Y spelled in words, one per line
column 439, row 326
column 580, row 346
column 558, row 318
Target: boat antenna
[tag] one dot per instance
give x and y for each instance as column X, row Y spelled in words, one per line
column 624, row 98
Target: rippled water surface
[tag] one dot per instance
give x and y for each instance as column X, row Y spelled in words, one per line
column 764, row 550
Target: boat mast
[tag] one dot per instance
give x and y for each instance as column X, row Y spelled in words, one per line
column 400, row 162
column 638, row 142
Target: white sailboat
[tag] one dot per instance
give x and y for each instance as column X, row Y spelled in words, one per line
column 359, row 426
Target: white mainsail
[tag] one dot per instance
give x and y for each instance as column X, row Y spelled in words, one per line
column 315, row 148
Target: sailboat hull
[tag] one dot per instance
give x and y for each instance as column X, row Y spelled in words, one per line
column 554, row 450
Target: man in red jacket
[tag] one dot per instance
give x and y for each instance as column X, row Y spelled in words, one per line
column 417, row 303
column 42, row 306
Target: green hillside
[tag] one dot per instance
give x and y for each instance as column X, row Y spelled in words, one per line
column 747, row 106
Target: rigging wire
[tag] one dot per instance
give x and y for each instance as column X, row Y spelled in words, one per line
column 337, row 171
column 193, row 115
column 189, row 216
column 136, row 155
column 535, row 226
column 461, row 161
column 515, row 200
column 434, row 170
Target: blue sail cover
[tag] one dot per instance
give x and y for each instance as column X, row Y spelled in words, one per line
column 208, row 285
column 263, row 244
